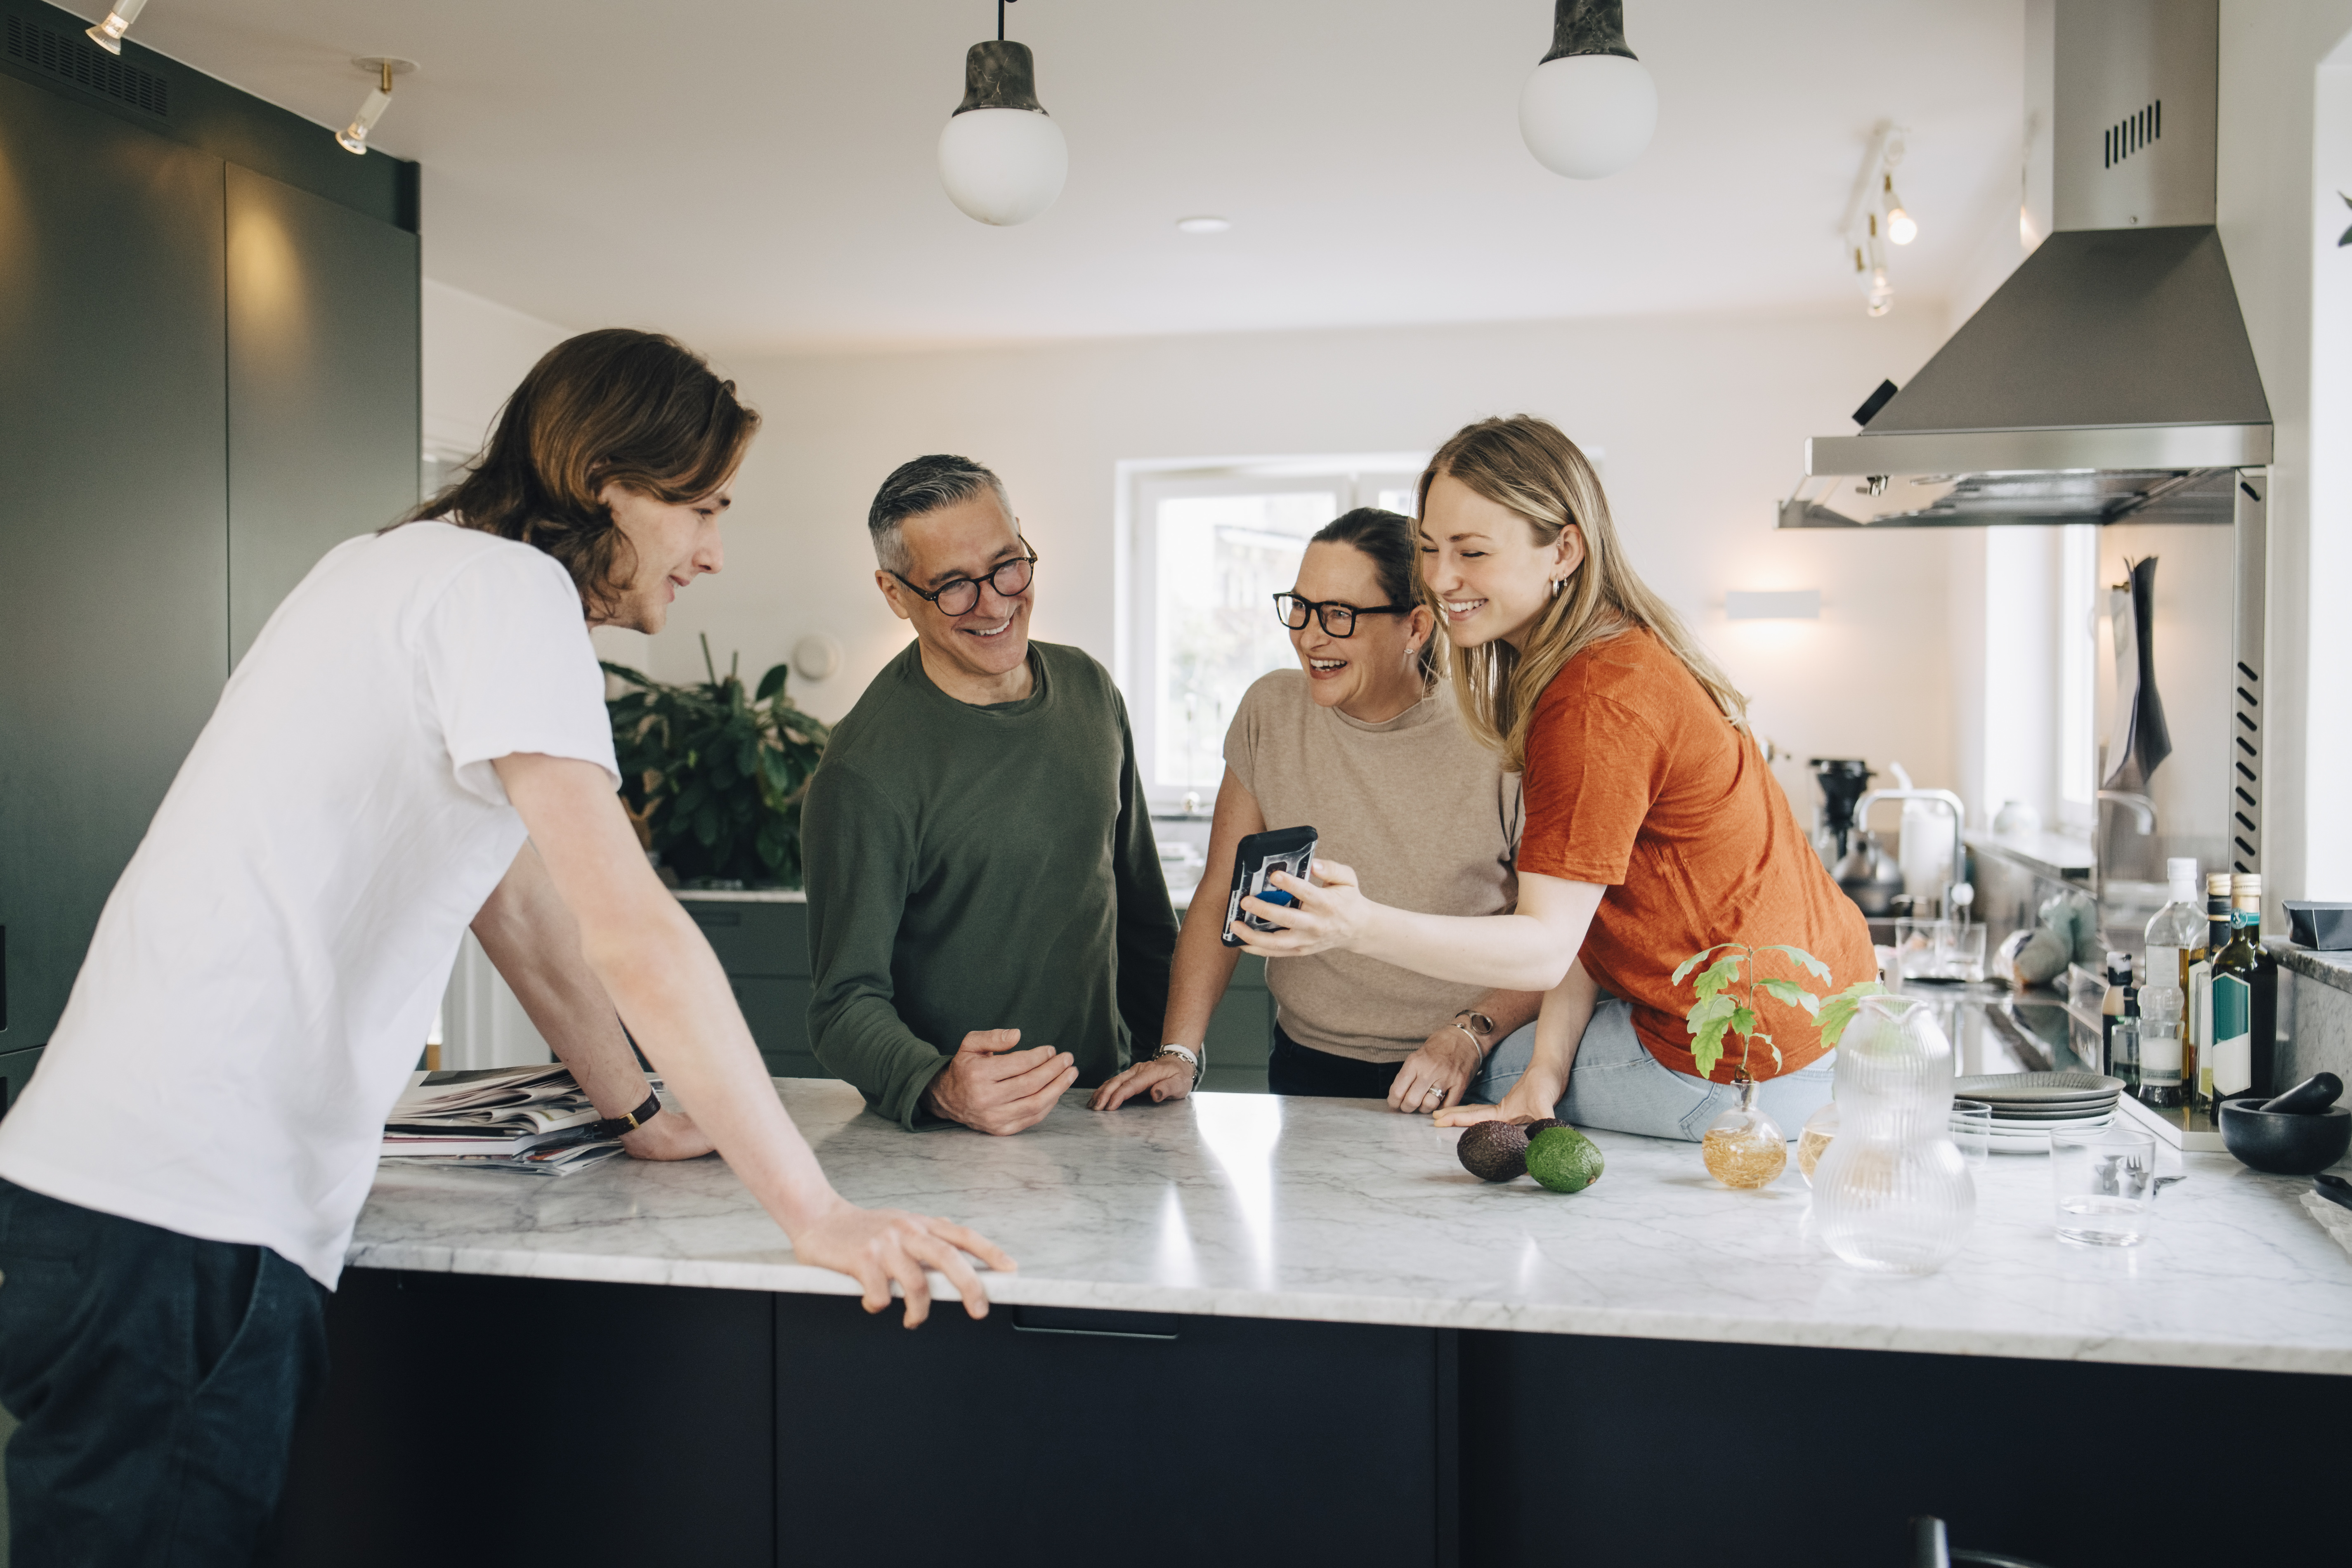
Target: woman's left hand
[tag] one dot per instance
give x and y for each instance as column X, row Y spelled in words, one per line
column 1326, row 916
column 1433, row 1078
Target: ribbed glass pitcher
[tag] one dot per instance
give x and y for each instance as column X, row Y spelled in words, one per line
column 1892, row 1192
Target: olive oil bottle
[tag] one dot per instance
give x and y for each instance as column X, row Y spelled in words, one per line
column 2245, row 998
column 2197, row 1050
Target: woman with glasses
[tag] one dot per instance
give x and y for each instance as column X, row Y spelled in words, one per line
column 1654, row 829
column 1360, row 744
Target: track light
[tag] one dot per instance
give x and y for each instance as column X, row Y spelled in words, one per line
column 107, row 35
column 354, row 137
column 1002, row 158
column 1900, row 227
column 1590, row 108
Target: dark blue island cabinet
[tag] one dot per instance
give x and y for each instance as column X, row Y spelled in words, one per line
column 739, row 1429
column 761, row 940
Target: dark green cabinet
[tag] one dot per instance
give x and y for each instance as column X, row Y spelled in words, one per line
column 15, row 1071
column 207, row 378
column 323, row 398
column 113, row 511
column 763, row 944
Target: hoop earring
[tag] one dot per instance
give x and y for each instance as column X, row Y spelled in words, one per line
column 1557, row 584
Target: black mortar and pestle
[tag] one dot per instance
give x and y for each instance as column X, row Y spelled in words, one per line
column 2296, row 1133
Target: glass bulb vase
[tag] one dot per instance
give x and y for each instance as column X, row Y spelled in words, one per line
column 1745, row 1148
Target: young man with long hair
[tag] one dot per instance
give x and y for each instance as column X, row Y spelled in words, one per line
column 416, row 741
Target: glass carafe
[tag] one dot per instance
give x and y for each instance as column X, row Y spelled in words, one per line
column 1892, row 1192
column 1745, row 1148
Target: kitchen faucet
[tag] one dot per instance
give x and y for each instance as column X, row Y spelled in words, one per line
column 2142, row 808
column 1957, row 894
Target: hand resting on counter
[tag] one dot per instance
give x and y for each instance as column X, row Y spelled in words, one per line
column 991, row 1088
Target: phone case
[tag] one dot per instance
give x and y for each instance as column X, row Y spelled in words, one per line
column 1290, row 850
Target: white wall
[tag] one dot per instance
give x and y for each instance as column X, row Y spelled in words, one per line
column 2278, row 224
column 1702, row 419
column 474, row 352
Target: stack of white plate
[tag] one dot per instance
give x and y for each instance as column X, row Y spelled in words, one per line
column 2027, row 1107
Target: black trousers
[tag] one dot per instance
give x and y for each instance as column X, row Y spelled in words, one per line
column 156, row 1378
column 1293, row 1068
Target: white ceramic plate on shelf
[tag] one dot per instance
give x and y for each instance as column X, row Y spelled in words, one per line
column 1998, row 1088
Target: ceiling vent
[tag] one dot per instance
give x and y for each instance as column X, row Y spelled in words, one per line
column 71, row 58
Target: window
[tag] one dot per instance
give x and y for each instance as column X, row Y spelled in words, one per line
column 1207, row 549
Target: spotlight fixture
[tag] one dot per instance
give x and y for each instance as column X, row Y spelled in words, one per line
column 1590, row 108
column 1002, row 158
column 1205, row 223
column 383, row 68
column 1875, row 216
column 1901, row 228
column 107, row 35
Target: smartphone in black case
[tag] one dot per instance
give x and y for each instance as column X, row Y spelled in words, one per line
column 1290, row 850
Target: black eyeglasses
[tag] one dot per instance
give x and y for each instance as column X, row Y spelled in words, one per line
column 1338, row 619
column 960, row 595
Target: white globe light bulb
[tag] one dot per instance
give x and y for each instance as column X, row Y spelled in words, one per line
column 1901, row 228
column 1587, row 116
column 1002, row 166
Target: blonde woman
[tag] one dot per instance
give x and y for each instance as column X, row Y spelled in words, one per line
column 1652, row 827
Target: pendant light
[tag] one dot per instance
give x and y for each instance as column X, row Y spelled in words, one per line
column 1001, row 159
column 1590, row 108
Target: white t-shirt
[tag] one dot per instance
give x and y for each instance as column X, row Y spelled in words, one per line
column 266, row 972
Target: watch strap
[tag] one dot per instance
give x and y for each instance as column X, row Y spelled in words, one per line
column 615, row 1126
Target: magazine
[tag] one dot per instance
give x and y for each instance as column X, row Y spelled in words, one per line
column 532, row 1119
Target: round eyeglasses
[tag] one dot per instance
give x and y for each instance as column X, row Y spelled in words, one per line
column 1338, row 619
column 960, row 595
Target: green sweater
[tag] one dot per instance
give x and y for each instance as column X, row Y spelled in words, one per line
column 981, row 867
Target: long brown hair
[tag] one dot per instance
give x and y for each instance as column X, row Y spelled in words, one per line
column 1529, row 466
column 612, row 407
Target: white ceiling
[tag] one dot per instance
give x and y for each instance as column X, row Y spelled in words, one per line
column 759, row 177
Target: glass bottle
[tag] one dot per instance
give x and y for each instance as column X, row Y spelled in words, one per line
column 1745, row 1148
column 2234, row 969
column 2173, row 934
column 1813, row 1139
column 1893, row 1193
column 2197, row 1053
column 2246, row 900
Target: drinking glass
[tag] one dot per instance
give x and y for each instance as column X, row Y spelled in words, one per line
column 1916, row 944
column 1972, row 1130
column 1962, row 952
column 2104, row 1182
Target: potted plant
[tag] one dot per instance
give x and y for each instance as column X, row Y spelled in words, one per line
column 712, row 775
column 1746, row 1148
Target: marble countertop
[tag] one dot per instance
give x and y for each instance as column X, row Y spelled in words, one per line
column 1255, row 1205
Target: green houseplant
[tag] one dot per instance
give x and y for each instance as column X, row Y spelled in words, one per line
column 713, row 773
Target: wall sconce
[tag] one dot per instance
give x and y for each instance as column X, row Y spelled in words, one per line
column 383, row 68
column 107, row 35
column 1773, row 604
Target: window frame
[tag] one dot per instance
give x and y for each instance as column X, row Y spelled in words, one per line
column 1357, row 479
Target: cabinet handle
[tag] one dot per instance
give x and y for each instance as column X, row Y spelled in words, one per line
column 1096, row 1324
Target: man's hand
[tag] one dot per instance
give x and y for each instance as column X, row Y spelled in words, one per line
column 672, row 1135
column 882, row 1248
column 1164, row 1077
column 1434, row 1076
column 990, row 1087
column 1329, row 914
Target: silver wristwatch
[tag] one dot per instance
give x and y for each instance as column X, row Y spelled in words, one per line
column 1184, row 1054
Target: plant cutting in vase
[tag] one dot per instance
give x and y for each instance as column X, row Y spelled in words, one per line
column 712, row 775
column 1746, row 1148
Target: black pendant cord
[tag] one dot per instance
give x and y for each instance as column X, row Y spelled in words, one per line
column 1001, row 5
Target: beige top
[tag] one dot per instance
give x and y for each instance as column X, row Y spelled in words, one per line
column 1422, row 813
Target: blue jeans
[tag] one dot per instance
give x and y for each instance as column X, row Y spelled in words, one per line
column 156, row 1377
column 1617, row 1084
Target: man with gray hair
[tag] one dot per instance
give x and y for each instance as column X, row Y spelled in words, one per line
column 980, row 865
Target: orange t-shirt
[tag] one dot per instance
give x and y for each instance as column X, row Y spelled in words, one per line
column 1635, row 780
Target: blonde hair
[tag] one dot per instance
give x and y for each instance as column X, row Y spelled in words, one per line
column 1529, row 467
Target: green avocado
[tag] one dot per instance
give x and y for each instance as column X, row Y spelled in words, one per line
column 1563, row 1159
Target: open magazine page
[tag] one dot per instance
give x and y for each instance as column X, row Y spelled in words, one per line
column 532, row 1119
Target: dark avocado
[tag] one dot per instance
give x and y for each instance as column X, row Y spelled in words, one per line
column 1494, row 1150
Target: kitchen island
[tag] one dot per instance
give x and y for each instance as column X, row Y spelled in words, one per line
column 1256, row 1328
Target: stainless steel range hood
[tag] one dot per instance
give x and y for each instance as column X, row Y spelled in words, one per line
column 2111, row 375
